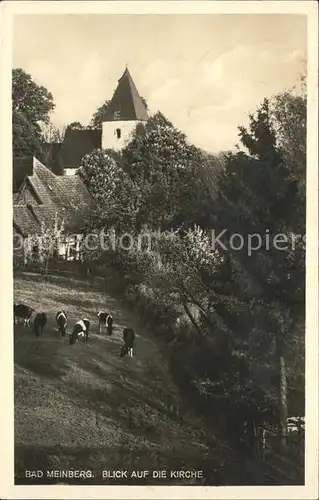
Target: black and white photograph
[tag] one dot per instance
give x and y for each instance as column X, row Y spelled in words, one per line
column 159, row 206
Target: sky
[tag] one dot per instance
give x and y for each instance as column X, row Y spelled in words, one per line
column 206, row 73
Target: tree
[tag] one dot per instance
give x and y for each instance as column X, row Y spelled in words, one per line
column 26, row 139
column 53, row 137
column 46, row 243
column 115, row 194
column 98, row 116
column 257, row 192
column 238, row 309
column 52, row 133
column 34, row 101
column 31, row 107
column 289, row 114
column 75, row 126
column 162, row 163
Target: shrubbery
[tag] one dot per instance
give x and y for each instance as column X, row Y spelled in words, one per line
column 233, row 324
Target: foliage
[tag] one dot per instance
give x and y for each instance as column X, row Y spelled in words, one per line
column 53, row 137
column 51, row 133
column 162, row 162
column 98, row 116
column 26, row 138
column 289, row 112
column 230, row 314
column 32, row 100
column 75, row 126
column 31, row 108
column 42, row 247
column 115, row 194
column 258, row 189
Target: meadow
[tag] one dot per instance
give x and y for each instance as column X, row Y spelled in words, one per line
column 83, row 407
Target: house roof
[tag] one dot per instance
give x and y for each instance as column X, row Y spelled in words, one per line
column 65, row 196
column 28, row 220
column 76, row 144
column 20, row 168
column 24, row 221
column 126, row 101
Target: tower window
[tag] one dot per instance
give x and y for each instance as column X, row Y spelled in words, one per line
column 117, row 115
column 118, row 133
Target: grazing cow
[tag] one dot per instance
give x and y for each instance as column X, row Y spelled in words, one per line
column 39, row 323
column 295, row 424
column 102, row 315
column 80, row 331
column 129, row 338
column 105, row 321
column 109, row 321
column 23, row 312
column 86, row 322
column 61, row 319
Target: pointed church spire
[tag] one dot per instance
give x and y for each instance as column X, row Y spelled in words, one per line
column 126, row 103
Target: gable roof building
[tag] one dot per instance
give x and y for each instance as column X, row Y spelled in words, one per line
column 39, row 195
column 44, row 195
column 77, row 144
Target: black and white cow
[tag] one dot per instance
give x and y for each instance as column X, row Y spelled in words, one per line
column 24, row 313
column 102, row 315
column 39, row 323
column 61, row 319
column 80, row 331
column 105, row 321
column 295, row 424
column 129, row 340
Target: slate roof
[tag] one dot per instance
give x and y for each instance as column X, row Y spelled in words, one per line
column 126, row 101
column 65, row 196
column 76, row 144
column 24, row 220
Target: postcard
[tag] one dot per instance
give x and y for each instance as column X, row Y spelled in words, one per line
column 160, row 219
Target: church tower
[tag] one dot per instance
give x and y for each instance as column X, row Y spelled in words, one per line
column 125, row 110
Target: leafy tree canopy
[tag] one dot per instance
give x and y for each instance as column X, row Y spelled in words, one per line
column 31, row 108
column 162, row 162
column 34, row 101
column 75, row 126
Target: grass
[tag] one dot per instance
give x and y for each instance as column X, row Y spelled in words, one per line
column 83, row 407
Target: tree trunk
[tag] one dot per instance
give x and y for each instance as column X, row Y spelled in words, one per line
column 189, row 314
column 282, row 390
column 46, row 266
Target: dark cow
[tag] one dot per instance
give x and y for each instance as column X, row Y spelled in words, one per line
column 61, row 319
column 129, row 339
column 80, row 331
column 109, row 321
column 39, row 323
column 23, row 313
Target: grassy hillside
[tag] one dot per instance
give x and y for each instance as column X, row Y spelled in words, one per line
column 83, row 407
